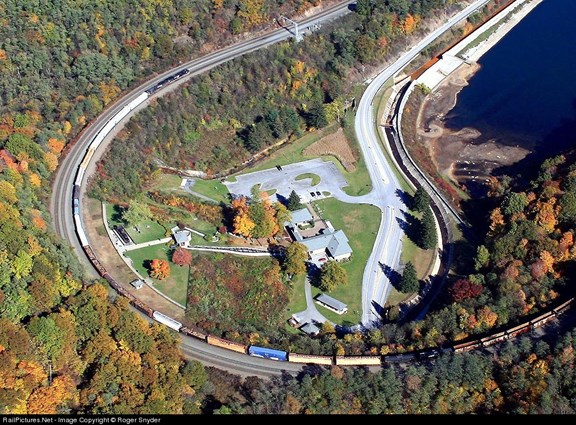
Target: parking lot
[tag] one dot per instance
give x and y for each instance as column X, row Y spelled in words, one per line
column 283, row 180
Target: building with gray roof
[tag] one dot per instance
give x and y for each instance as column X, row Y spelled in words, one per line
column 331, row 303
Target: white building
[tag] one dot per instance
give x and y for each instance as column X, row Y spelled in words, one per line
column 182, row 236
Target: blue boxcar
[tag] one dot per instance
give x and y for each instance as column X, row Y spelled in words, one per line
column 268, row 353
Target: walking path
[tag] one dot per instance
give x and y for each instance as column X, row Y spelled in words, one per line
column 311, row 314
column 124, row 248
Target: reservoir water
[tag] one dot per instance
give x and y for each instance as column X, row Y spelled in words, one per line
column 525, row 92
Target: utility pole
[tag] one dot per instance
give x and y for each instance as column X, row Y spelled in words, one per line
column 297, row 35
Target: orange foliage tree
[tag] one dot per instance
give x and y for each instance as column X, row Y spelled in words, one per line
column 159, row 269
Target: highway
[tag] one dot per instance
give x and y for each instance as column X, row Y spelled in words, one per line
column 388, row 242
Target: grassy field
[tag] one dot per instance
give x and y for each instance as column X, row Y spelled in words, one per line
column 314, row 177
column 149, row 229
column 360, row 224
column 176, row 285
column 291, row 152
column 213, row 189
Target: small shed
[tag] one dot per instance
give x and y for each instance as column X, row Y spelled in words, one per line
column 137, row 283
column 331, row 303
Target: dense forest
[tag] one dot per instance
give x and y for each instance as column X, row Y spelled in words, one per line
column 524, row 377
column 69, row 347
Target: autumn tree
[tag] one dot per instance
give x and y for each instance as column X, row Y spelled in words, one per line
column 182, row 257
column 295, row 260
column 159, row 269
column 482, row 257
column 263, row 215
column 409, row 281
column 243, row 224
column 463, row 289
column 283, row 214
column 332, row 275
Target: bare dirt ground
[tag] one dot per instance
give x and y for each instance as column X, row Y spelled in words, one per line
column 334, row 144
column 458, row 154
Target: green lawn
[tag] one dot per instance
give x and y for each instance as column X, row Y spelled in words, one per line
column 149, row 229
column 213, row 189
column 314, row 177
column 176, row 285
column 360, row 224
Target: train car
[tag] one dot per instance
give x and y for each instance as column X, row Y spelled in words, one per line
column 310, row 359
column 138, row 100
column 494, row 338
column 433, row 353
column 400, row 358
column 80, row 231
column 166, row 320
column 358, row 360
column 518, row 330
column 76, row 192
column 542, row 319
column 268, row 353
column 84, row 165
column 193, row 333
column 563, row 307
column 167, row 80
column 467, row 346
column 229, row 345
column 144, row 308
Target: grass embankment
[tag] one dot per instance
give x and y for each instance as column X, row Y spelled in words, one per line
column 211, row 188
column 176, row 285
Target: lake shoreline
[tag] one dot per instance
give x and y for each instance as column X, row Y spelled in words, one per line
column 466, row 156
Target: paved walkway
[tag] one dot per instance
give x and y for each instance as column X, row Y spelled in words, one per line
column 125, row 248
column 311, row 314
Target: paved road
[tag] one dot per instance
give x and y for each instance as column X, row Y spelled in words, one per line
column 61, row 200
column 388, row 240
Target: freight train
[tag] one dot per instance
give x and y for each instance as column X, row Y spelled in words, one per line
column 267, row 352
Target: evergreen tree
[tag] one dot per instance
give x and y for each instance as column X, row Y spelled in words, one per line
column 421, row 200
column 293, row 202
column 409, row 280
column 428, row 238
